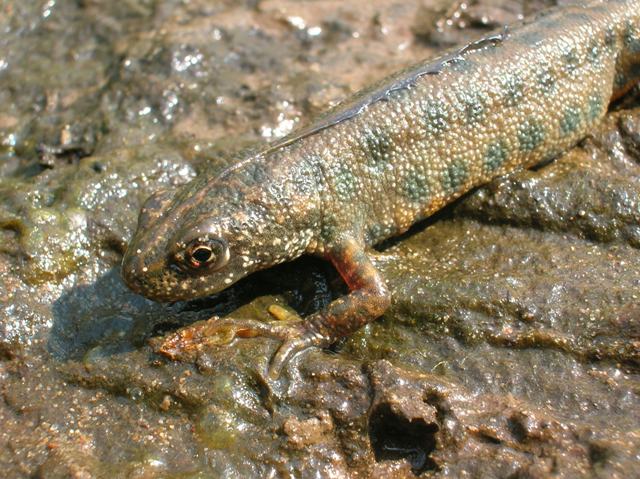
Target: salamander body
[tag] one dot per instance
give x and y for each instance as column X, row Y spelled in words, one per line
column 390, row 156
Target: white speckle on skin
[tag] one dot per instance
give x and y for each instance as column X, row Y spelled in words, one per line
column 228, row 281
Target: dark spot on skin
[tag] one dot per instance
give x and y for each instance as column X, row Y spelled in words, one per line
column 570, row 120
column 315, row 167
column 328, row 230
column 595, row 107
column 416, row 187
column 496, row 155
column 513, row 89
column 632, row 38
column 620, row 80
column 473, row 105
column 454, row 176
column 530, row 135
column 610, row 38
column 256, row 173
column 360, row 259
column 377, row 232
column 571, row 59
column 634, row 72
column 594, row 51
column 435, row 116
column 374, row 231
column 547, row 79
column 377, row 147
column 345, row 183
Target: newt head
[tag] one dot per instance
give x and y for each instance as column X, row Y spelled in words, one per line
column 199, row 239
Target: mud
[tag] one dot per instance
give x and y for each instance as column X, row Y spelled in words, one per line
column 513, row 343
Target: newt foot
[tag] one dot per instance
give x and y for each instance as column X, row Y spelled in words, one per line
column 287, row 326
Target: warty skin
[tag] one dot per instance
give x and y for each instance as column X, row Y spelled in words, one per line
column 389, row 157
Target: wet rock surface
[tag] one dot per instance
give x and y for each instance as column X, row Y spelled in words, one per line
column 513, row 343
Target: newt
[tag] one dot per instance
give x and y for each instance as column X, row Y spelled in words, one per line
column 386, row 158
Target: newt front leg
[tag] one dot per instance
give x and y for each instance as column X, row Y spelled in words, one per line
column 368, row 299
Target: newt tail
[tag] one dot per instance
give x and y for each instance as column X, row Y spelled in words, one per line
column 383, row 160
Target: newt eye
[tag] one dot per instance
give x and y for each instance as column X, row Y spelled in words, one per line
column 206, row 253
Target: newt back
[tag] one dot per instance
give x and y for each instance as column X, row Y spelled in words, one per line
column 401, row 150
column 390, row 156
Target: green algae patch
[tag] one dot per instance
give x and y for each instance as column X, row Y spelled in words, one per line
column 217, row 429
